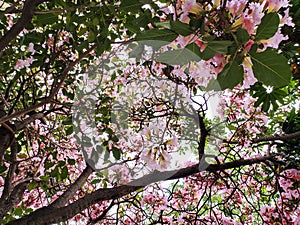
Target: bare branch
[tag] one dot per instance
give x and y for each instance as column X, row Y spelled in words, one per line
column 27, row 13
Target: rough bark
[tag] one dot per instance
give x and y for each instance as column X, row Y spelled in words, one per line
column 27, row 13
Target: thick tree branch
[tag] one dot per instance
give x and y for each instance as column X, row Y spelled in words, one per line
column 68, row 194
column 11, row 171
column 5, row 140
column 32, row 118
column 263, row 139
column 14, row 198
column 278, row 138
column 203, row 136
column 27, row 13
column 50, row 215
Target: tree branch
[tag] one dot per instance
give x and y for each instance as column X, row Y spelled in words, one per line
column 32, row 118
column 14, row 198
column 68, row 194
column 10, row 174
column 27, row 13
column 278, row 138
column 53, row 92
column 50, row 215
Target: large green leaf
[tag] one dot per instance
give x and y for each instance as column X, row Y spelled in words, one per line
column 163, row 35
column 116, row 153
column 242, row 35
column 130, row 5
column 268, row 26
column 215, row 47
column 177, row 57
column 44, row 19
column 267, row 98
column 181, row 28
column 193, row 47
column 270, row 68
column 229, row 77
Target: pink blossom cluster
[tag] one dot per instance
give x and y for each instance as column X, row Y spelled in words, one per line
column 242, row 14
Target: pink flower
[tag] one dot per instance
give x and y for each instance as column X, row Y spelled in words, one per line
column 179, row 73
column 42, row 145
column 236, row 7
column 274, row 41
column 256, row 12
column 293, row 173
column 23, row 63
column 285, row 183
column 249, row 78
column 287, row 20
column 189, row 6
column 50, row 42
column 248, row 45
column 31, row 48
column 248, row 24
column 275, row 5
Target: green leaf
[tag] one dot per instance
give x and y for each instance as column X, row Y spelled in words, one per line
column 22, row 155
column 44, row 178
column 54, row 172
column 96, row 181
column 69, row 130
column 229, row 77
column 91, row 37
column 18, row 211
column 86, row 144
column 95, row 21
column 268, row 26
column 106, row 156
column 68, row 121
column 163, row 35
column 116, row 153
column 44, row 19
column 242, row 35
column 165, row 25
column 196, row 23
column 61, row 163
column 266, row 99
column 193, row 47
column 266, row 105
column 130, row 5
column 64, row 173
column 48, row 165
column 177, row 57
column 270, row 68
column 215, row 47
column 181, row 28
column 115, row 139
column 32, row 185
column 71, row 161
